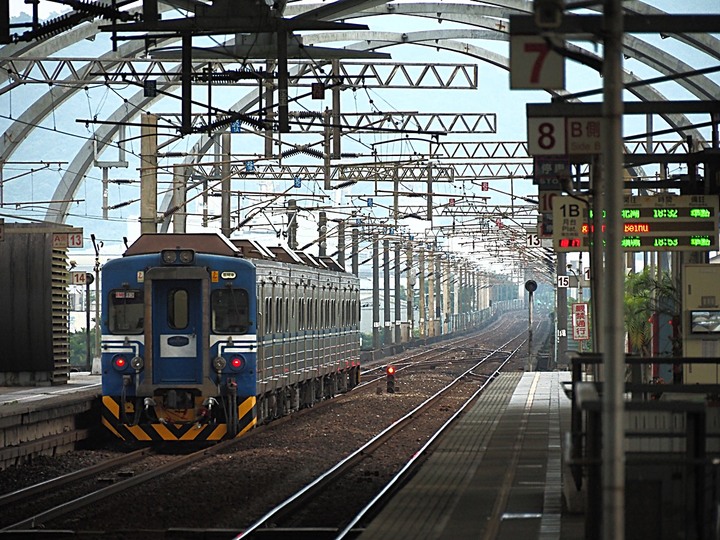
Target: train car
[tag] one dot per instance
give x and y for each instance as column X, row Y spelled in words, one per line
column 203, row 337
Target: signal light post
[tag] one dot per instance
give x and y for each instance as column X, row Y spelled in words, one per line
column 390, row 371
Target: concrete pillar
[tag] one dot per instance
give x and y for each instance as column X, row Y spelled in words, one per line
column 458, row 294
column 410, row 292
column 431, row 295
column 341, row 243
column 387, row 332
column 322, row 234
column 292, row 224
column 179, row 217
column 376, row 291
column 148, row 174
column 355, row 250
column 398, row 314
column 447, row 317
column 226, row 186
column 421, row 293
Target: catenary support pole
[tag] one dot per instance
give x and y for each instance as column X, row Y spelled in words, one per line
column 387, row 331
column 148, row 174
column 225, row 185
column 398, row 315
column 376, row 291
column 613, row 457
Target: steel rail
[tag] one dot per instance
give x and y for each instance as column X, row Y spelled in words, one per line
column 39, row 519
column 298, row 498
column 409, row 466
column 54, row 483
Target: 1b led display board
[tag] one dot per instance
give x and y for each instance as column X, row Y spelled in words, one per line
column 650, row 223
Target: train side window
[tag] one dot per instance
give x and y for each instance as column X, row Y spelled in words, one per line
column 278, row 315
column 268, row 315
column 288, row 315
column 230, row 311
column 178, row 309
column 126, row 312
column 301, row 314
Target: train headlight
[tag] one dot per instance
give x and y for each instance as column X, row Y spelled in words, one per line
column 187, row 256
column 237, row 362
column 219, row 363
column 169, row 257
column 119, row 362
column 177, row 256
column 137, row 363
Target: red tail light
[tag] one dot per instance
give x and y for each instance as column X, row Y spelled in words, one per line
column 237, row 362
column 120, row 362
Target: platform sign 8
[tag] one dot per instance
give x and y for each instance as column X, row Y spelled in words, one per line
column 546, row 136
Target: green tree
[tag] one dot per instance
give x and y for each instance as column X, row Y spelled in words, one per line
column 644, row 296
column 78, row 348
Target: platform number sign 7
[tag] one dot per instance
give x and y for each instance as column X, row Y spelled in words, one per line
column 541, row 51
column 534, row 64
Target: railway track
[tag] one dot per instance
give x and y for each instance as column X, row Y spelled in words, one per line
column 422, row 375
column 301, row 515
column 78, row 489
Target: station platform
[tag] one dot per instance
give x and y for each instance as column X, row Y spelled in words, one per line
column 497, row 474
column 82, row 381
column 46, row 420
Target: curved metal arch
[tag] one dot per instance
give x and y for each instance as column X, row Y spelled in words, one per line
column 21, row 128
column 385, row 40
column 700, row 86
column 381, row 40
column 519, row 6
column 462, row 13
column 78, row 168
column 428, row 38
column 88, row 30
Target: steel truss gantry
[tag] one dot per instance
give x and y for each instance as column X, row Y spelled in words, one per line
column 352, row 74
column 368, row 122
column 494, row 18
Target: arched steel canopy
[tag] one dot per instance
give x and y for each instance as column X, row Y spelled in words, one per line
column 491, row 16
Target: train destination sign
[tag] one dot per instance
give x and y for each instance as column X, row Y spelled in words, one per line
column 650, row 223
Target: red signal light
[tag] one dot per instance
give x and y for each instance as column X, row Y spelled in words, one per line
column 390, row 370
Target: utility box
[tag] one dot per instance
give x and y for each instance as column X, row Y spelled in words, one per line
column 701, row 321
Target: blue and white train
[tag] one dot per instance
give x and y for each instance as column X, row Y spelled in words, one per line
column 203, row 337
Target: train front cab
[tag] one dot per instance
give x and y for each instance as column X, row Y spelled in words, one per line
column 180, row 387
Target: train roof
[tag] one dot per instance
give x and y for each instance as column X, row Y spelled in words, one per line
column 251, row 249
column 199, row 242
column 284, row 254
column 217, row 244
column 309, row 260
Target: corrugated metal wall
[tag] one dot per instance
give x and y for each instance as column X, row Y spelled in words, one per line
column 34, row 337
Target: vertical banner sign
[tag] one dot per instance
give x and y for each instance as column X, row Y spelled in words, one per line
column 581, row 332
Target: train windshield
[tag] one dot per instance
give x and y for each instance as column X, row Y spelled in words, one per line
column 126, row 312
column 230, row 311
